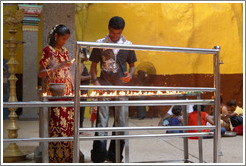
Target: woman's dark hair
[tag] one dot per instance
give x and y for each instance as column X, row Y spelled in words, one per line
column 116, row 22
column 203, row 107
column 60, row 30
column 177, row 110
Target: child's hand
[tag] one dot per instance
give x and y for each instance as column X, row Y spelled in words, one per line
column 160, row 123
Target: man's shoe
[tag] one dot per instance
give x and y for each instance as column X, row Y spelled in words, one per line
column 141, row 118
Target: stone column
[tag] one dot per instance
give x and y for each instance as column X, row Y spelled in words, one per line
column 53, row 14
column 30, row 58
column 60, row 13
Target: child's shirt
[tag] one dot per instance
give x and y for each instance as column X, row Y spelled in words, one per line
column 239, row 111
column 174, row 121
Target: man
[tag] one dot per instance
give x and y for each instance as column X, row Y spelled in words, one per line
column 84, row 80
column 113, row 65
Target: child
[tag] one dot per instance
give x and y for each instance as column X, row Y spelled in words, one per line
column 224, row 122
column 174, row 120
column 169, row 113
column 93, row 112
column 235, row 113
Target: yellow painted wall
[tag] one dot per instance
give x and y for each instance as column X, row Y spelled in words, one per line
column 198, row 25
column 19, row 36
column 167, row 24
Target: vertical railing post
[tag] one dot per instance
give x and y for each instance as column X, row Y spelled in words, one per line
column 44, row 133
column 76, row 109
column 127, row 151
column 199, row 124
column 117, row 142
column 217, row 132
column 185, row 139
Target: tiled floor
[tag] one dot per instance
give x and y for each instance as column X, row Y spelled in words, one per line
column 142, row 150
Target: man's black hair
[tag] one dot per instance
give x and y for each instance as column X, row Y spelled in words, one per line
column 203, row 107
column 231, row 103
column 177, row 110
column 116, row 22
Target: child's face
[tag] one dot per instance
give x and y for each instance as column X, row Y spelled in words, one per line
column 231, row 109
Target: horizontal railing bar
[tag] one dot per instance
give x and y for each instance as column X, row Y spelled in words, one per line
column 119, row 96
column 117, row 137
column 161, row 161
column 107, row 103
column 147, row 47
column 100, row 129
column 50, row 139
column 143, row 88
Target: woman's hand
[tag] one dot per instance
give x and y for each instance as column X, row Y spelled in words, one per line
column 65, row 64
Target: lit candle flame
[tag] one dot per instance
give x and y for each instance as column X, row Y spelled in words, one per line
column 105, row 94
column 150, row 93
column 85, row 95
column 115, row 93
column 45, row 94
column 93, row 93
column 122, row 93
column 73, row 60
column 159, row 93
column 131, row 93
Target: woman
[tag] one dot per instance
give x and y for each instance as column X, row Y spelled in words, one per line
column 54, row 66
column 193, row 121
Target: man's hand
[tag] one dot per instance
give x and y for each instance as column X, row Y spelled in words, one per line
column 96, row 83
column 127, row 78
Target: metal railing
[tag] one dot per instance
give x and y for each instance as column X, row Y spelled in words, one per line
column 146, row 88
column 77, row 103
column 108, row 103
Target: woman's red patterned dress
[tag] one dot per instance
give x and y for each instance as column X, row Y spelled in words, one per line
column 61, row 122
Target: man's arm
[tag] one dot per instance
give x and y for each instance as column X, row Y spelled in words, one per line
column 84, row 78
column 94, row 73
column 129, row 75
column 132, row 69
